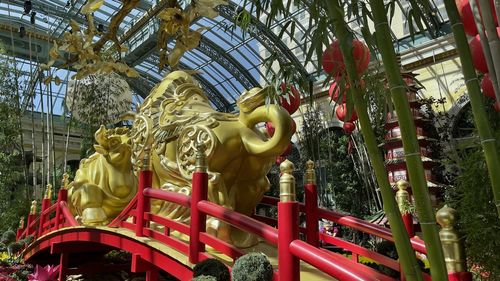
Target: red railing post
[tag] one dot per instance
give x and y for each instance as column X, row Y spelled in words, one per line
column 61, row 196
column 311, row 204
column 403, row 199
column 199, row 192
column 145, row 181
column 31, row 217
column 453, row 248
column 20, row 229
column 288, row 225
column 46, row 202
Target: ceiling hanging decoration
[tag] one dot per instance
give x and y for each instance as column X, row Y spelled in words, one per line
column 77, row 49
column 174, row 24
column 109, row 90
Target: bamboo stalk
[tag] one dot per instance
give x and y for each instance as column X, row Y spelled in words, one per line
column 493, row 41
column 411, row 146
column 488, row 141
column 406, row 254
column 486, row 48
column 43, row 130
column 497, row 9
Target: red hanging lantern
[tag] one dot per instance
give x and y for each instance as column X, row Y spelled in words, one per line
column 341, row 112
column 487, row 87
column 333, row 62
column 467, row 17
column 293, row 102
column 478, row 55
column 496, row 106
column 279, row 160
column 349, row 127
column 270, row 129
column 287, row 150
column 334, row 91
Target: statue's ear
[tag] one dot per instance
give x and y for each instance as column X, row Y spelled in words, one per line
column 100, row 135
column 101, row 150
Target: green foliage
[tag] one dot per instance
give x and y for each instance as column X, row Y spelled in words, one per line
column 339, row 185
column 13, row 192
column 204, row 278
column 8, row 237
column 472, row 197
column 252, row 267
column 212, row 267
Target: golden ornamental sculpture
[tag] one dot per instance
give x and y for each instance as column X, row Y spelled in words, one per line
column 176, row 120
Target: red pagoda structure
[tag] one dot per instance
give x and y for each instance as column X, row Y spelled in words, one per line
column 394, row 152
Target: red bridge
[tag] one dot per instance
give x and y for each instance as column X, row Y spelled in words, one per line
column 60, row 239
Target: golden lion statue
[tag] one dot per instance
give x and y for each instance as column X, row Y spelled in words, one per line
column 173, row 119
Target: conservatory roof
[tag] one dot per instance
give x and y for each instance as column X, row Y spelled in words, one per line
column 228, row 59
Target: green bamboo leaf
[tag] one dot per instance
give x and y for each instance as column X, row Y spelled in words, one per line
column 283, row 29
column 392, row 10
column 418, row 21
column 410, row 24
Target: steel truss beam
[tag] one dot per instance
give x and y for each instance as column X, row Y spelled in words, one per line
column 265, row 36
column 213, row 51
column 58, row 11
column 208, row 48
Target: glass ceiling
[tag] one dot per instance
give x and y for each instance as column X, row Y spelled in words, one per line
column 228, row 61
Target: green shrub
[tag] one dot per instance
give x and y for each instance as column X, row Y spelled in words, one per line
column 252, row 267
column 8, row 237
column 204, row 278
column 214, row 268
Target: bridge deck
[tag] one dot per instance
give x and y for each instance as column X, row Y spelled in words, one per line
column 307, row 272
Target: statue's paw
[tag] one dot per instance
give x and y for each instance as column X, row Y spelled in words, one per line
column 94, row 216
column 219, row 229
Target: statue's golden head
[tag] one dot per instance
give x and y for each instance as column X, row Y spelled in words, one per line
column 177, row 87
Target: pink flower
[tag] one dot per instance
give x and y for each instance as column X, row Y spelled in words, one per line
column 47, row 273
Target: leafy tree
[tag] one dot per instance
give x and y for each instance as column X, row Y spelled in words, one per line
column 472, row 197
column 13, row 189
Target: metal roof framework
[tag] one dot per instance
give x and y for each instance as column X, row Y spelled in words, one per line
column 227, row 62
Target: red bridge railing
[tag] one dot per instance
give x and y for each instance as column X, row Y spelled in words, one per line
column 139, row 218
column 52, row 217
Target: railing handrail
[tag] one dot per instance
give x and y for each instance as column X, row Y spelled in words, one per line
column 239, row 220
column 124, row 213
column 70, row 219
column 177, row 198
column 324, row 262
column 354, row 223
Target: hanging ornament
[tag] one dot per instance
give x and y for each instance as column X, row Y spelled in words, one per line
column 334, row 93
column 341, row 112
column 287, row 150
column 467, row 17
column 279, row 160
column 293, row 102
column 487, row 87
column 496, row 106
column 270, row 129
column 349, row 127
column 478, row 55
column 333, row 62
